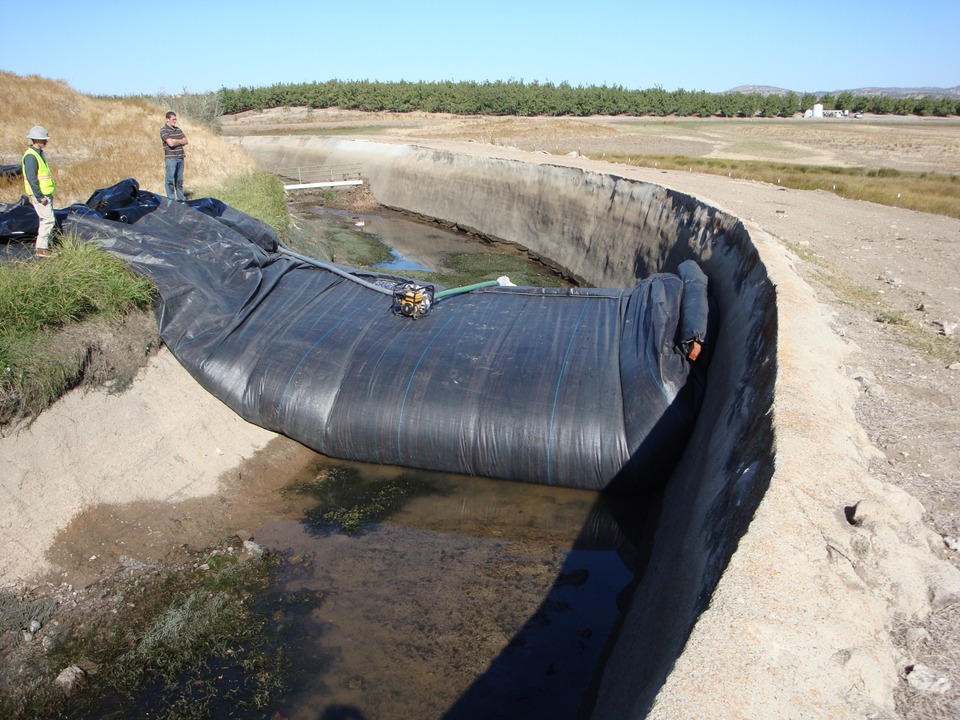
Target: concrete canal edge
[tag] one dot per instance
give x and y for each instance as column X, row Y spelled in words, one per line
column 779, row 564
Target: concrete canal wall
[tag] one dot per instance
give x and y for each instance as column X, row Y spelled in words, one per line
column 756, row 602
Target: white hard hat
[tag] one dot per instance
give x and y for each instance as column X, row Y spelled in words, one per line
column 38, row 132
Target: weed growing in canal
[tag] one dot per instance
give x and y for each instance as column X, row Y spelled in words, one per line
column 330, row 242
column 349, row 503
column 174, row 643
column 17, row 613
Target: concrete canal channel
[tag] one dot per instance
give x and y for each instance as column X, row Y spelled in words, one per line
column 756, row 601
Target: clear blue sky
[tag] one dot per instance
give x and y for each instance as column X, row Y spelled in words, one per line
column 121, row 48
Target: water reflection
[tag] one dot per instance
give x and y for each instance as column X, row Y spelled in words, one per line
column 398, row 264
column 476, row 599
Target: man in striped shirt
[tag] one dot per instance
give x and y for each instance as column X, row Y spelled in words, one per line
column 173, row 141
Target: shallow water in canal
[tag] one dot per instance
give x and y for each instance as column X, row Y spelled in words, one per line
column 391, row 242
column 469, row 598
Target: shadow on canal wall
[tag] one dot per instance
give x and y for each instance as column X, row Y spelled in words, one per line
column 794, row 617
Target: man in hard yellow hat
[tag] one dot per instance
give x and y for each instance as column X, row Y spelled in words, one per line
column 38, row 186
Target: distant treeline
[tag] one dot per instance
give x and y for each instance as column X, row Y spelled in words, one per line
column 534, row 98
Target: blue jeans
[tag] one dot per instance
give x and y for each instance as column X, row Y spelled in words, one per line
column 174, row 179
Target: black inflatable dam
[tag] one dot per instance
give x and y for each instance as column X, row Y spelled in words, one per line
column 593, row 389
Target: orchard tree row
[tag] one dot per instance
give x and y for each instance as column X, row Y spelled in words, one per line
column 521, row 98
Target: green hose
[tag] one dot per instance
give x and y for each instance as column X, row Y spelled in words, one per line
column 465, row 289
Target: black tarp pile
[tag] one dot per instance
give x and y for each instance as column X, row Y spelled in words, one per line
column 586, row 388
column 126, row 203
column 18, row 220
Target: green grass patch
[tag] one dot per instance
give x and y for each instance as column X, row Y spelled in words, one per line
column 78, row 282
column 259, row 194
column 35, row 370
column 936, row 193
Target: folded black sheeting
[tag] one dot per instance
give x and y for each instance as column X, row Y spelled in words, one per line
column 18, row 220
column 125, row 202
column 584, row 388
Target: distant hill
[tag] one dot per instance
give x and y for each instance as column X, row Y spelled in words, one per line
column 761, row 90
column 893, row 92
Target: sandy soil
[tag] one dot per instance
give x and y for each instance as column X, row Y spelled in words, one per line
column 139, row 456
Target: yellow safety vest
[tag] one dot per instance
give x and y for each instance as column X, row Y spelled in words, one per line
column 44, row 176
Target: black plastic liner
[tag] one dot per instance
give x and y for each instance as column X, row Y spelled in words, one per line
column 125, row 202
column 586, row 388
column 18, row 220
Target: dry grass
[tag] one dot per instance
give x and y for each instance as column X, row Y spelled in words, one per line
column 907, row 144
column 95, row 143
column 923, row 191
